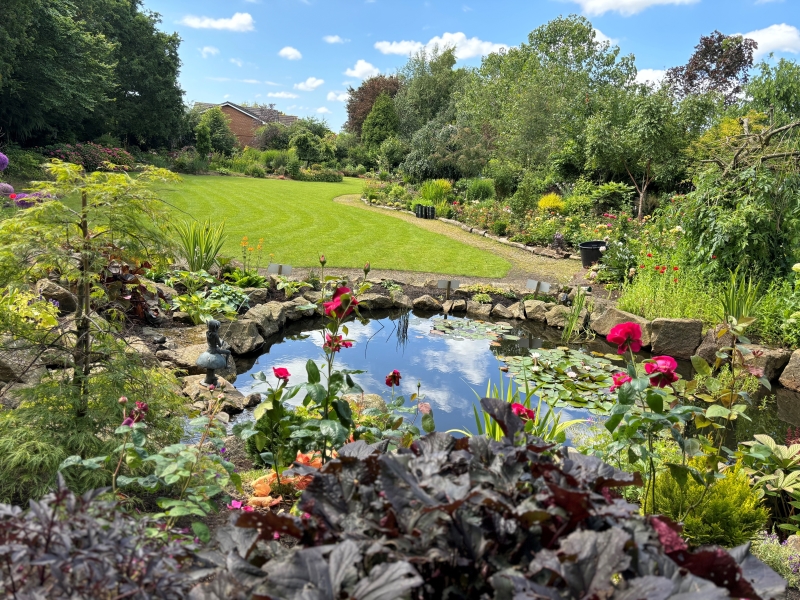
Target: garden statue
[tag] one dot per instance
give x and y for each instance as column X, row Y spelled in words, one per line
column 216, row 355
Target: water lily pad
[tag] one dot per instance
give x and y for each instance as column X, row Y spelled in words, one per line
column 472, row 330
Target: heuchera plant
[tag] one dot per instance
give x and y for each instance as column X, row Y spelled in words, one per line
column 473, row 518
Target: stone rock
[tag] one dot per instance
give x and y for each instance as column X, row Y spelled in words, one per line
column 535, row 310
column 136, row 345
column 49, row 290
column 400, row 300
column 603, row 322
column 312, row 296
column 678, row 338
column 516, row 310
column 454, row 306
column 252, row 400
column 478, row 310
column 257, row 296
column 788, row 406
column 793, row 542
column 790, row 378
column 365, row 401
column 502, row 312
column 186, row 359
column 165, row 291
column 427, row 303
column 558, row 316
column 269, row 317
column 712, row 343
column 233, row 403
column 374, row 302
column 772, row 360
column 242, row 336
column 292, row 311
column 18, row 363
column 182, row 317
column 223, row 417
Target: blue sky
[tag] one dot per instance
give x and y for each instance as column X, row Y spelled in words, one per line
column 302, row 54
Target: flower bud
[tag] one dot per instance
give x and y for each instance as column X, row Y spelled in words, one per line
column 367, row 268
column 122, row 400
column 322, row 259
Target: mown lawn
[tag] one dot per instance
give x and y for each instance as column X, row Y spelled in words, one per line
column 298, row 221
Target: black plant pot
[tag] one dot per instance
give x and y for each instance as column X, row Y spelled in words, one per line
column 590, row 252
column 418, row 210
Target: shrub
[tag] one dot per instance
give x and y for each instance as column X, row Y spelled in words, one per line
column 223, row 139
column 480, row 189
column 24, row 164
column 435, row 191
column 504, row 176
column 578, row 205
column 524, row 519
column 499, row 228
column 89, row 155
column 321, row 175
column 779, row 556
column 730, row 514
column 533, row 185
column 200, row 243
column 482, row 298
column 68, row 546
column 361, row 170
column 612, row 197
column 190, row 162
column 551, row 202
column 255, row 170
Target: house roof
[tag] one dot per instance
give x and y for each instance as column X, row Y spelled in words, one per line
column 262, row 114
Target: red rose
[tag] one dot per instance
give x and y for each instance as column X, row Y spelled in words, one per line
column 626, row 335
column 662, row 371
column 393, row 378
column 526, row 414
column 619, row 380
column 281, row 373
column 12, row 196
column 334, row 343
column 341, row 304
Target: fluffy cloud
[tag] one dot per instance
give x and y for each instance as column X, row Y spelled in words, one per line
column 207, row 51
column 338, row 96
column 309, row 85
column 775, row 38
column 290, row 53
column 601, row 37
column 323, row 110
column 252, row 81
column 623, row 7
column 334, row 39
column 282, row 95
column 650, row 76
column 465, row 47
column 237, row 61
column 238, row 22
column 362, row 70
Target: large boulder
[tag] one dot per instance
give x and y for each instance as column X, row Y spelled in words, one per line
column 374, row 302
column 185, row 359
column 293, row 310
column 772, row 360
column 257, row 296
column 454, row 306
column 558, row 316
column 269, row 317
column 535, row 310
column 233, row 401
column 501, row 312
column 603, row 322
column 49, row 290
column 400, row 300
column 18, row 363
column 312, row 296
column 790, row 378
column 678, row 338
column 242, row 336
column 478, row 310
column 517, row 310
column 427, row 303
column 788, row 406
column 713, row 342
column 165, row 291
column 136, row 346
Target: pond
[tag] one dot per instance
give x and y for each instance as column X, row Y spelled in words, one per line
column 453, row 358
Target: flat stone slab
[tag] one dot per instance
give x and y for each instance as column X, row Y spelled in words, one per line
column 679, row 338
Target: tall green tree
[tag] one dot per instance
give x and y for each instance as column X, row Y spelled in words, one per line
column 222, row 138
column 361, row 99
column 776, row 90
column 381, row 123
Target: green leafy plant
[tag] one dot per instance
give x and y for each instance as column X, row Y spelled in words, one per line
column 200, row 243
column 551, row 202
column 499, row 228
column 290, row 286
column 244, row 279
column 436, row 191
column 191, row 280
column 482, row 298
column 778, row 556
column 201, row 308
column 739, row 298
column 234, row 297
column 574, row 326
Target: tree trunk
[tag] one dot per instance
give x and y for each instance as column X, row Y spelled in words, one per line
column 642, row 195
column 82, row 353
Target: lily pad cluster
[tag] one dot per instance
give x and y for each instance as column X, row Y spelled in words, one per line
column 468, row 329
column 567, row 377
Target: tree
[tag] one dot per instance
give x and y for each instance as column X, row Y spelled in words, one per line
column 720, row 63
column 203, row 140
column 381, row 123
column 361, row 99
column 776, row 89
column 444, row 150
column 272, row 136
column 640, row 135
column 392, row 152
column 222, row 138
column 307, row 146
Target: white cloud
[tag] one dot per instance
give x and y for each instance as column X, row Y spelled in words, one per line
column 271, row 83
column 362, row 70
column 601, row 37
column 653, row 76
column 767, row 1
column 323, row 110
column 466, row 8
column 309, row 85
column 238, row 22
column 290, row 53
column 237, row 61
column 334, row 39
column 623, row 7
column 282, row 95
column 207, row 51
column 227, row 96
column 338, row 96
column 775, row 38
column 254, row 81
column 465, row 47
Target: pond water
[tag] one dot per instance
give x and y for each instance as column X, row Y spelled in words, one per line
column 451, row 368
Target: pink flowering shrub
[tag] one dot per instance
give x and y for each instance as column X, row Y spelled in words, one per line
column 90, row 155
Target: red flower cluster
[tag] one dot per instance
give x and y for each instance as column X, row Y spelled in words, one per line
column 281, row 373
column 334, row 343
column 619, row 380
column 626, row 335
column 526, row 414
column 662, row 371
column 393, row 378
column 341, row 304
column 137, row 414
column 609, row 216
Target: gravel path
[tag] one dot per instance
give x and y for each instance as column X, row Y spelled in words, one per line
column 524, row 264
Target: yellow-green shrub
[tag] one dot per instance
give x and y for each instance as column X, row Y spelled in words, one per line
column 730, row 514
column 551, row 202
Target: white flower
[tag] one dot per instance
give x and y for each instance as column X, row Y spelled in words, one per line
column 535, row 355
column 571, row 374
column 603, row 248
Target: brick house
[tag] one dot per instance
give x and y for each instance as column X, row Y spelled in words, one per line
column 245, row 120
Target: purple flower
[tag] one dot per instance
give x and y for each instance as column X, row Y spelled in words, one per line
column 3, row 162
column 54, row 302
column 127, row 422
column 6, row 189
